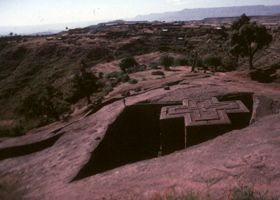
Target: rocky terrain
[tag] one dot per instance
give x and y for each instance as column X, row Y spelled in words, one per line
column 242, row 157
column 108, row 152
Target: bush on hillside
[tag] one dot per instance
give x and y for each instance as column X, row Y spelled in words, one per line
column 154, row 65
column 166, row 61
column 47, row 106
column 132, row 81
column 212, row 61
column 127, row 64
column 181, row 62
column 117, row 77
column 84, row 83
column 13, row 131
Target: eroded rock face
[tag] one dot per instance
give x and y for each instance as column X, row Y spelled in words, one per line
column 249, row 156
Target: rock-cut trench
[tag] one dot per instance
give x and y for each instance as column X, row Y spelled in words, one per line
column 135, row 135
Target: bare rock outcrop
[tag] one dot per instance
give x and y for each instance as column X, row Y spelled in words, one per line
column 248, row 156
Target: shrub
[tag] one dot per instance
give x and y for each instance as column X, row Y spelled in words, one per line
column 228, row 64
column 140, row 68
column 199, row 62
column 108, row 89
column 84, row 83
column 166, row 61
column 154, row 65
column 196, row 62
column 117, row 77
column 212, row 61
column 124, row 78
column 114, row 74
column 14, row 131
column 100, row 83
column 114, row 82
column 132, row 81
column 126, row 94
column 128, row 63
column 181, row 62
column 46, row 106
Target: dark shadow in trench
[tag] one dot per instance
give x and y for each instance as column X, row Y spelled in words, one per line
column 135, row 136
column 16, row 151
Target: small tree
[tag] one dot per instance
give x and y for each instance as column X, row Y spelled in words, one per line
column 247, row 38
column 128, row 63
column 194, row 59
column 166, row 61
column 85, row 82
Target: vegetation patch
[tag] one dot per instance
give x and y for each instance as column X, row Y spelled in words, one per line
column 13, row 131
column 133, row 81
column 46, row 106
column 130, row 65
column 166, row 61
column 181, row 61
column 117, row 77
column 247, row 38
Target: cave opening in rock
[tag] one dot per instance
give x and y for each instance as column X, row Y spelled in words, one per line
column 136, row 135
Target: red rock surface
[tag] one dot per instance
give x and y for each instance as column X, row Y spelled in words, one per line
column 248, row 156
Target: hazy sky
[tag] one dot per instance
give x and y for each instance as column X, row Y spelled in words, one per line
column 36, row 12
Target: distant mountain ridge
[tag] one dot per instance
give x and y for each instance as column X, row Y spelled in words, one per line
column 201, row 13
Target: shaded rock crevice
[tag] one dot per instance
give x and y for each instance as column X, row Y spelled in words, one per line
column 134, row 136
column 26, row 149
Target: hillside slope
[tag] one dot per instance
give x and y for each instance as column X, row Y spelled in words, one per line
column 29, row 64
